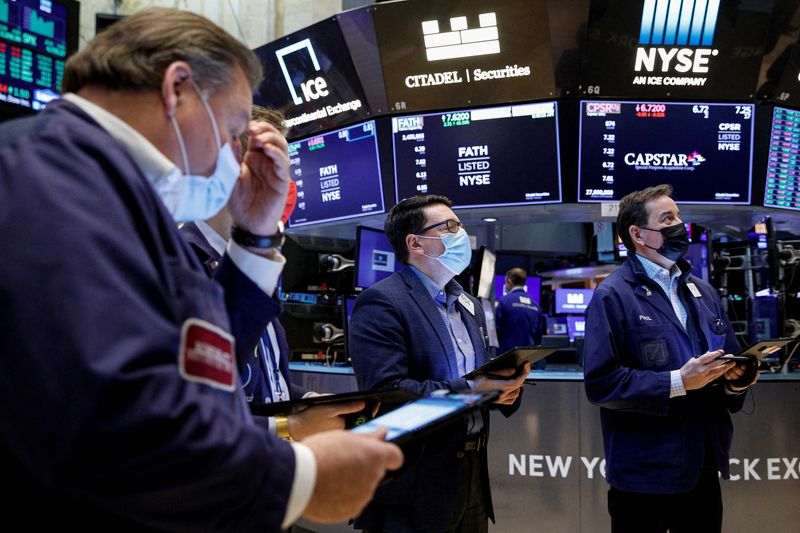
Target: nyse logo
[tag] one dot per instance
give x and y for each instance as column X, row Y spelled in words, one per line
column 311, row 89
column 461, row 41
column 575, row 298
column 669, row 28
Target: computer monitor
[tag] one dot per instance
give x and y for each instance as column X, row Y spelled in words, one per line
column 494, row 156
column 571, row 301
column 337, row 174
column 348, row 303
column 557, row 325
column 533, row 286
column 576, row 327
column 36, row 38
column 703, row 149
column 375, row 258
column 783, row 167
column 486, row 261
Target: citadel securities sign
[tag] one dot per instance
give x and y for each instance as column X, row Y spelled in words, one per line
column 454, row 53
column 677, row 48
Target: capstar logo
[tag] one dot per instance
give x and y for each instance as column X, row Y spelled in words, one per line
column 312, row 89
column 663, row 161
column 677, row 35
column 461, row 41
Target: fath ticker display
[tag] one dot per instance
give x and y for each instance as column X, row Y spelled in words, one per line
column 783, row 167
column 507, row 155
column 337, row 175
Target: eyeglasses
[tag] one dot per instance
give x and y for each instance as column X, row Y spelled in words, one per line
column 452, row 226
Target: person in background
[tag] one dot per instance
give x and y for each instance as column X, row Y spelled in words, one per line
column 123, row 410
column 654, row 335
column 265, row 371
column 520, row 321
column 417, row 330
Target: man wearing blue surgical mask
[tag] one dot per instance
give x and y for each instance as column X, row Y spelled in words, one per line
column 419, row 331
column 123, row 406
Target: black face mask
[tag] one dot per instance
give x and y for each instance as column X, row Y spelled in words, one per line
column 676, row 241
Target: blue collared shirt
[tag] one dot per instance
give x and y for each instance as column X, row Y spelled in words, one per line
column 447, row 304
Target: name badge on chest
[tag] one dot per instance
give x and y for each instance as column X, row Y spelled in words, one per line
column 467, row 303
column 694, row 290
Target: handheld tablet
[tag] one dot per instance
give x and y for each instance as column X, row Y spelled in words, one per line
column 421, row 416
column 758, row 350
column 513, row 358
column 370, row 399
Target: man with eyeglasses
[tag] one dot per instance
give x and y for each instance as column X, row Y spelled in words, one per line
column 419, row 331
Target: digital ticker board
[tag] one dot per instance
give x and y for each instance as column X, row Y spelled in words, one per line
column 337, row 175
column 783, row 167
column 505, row 155
column 703, row 150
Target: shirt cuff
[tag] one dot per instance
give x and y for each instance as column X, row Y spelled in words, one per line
column 676, row 387
column 261, row 271
column 305, row 477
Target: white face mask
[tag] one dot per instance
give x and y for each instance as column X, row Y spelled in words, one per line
column 193, row 197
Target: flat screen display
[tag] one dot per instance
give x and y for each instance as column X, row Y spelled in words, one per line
column 452, row 53
column 310, row 76
column 783, row 166
column 678, row 49
column 494, row 156
column 703, row 150
column 36, row 36
column 533, row 286
column 576, row 327
column 375, row 259
column 556, row 325
column 573, row 301
column 337, row 175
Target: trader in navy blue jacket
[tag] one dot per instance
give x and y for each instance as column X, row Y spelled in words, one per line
column 520, row 321
column 419, row 331
column 122, row 409
column 653, row 336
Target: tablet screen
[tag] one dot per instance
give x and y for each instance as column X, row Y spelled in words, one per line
column 416, row 415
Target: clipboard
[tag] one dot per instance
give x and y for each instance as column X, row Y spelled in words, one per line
column 759, row 350
column 513, row 358
column 370, row 398
column 416, row 419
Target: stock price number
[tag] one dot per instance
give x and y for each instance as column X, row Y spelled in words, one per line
column 651, row 110
column 456, row 119
column 700, row 110
column 599, row 193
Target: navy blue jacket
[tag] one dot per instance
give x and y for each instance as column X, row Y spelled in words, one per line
column 520, row 321
column 634, row 339
column 399, row 340
column 99, row 429
column 253, row 369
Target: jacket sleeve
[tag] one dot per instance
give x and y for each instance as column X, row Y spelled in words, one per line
column 101, row 411
column 379, row 345
column 609, row 383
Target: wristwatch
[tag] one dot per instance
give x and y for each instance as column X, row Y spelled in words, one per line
column 244, row 238
column 282, row 427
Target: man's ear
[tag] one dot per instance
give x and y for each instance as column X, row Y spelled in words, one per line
column 413, row 245
column 176, row 78
column 636, row 235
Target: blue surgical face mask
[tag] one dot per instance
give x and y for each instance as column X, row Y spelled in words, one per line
column 193, row 197
column 457, row 251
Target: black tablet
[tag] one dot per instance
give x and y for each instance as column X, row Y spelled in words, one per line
column 759, row 350
column 386, row 398
column 417, row 418
column 513, row 358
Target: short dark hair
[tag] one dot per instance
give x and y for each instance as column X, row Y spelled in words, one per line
column 407, row 218
column 517, row 276
column 633, row 212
